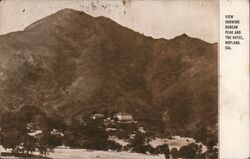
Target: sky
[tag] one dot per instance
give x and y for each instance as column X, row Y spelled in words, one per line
column 157, row 18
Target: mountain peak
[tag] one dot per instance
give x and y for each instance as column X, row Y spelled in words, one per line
column 68, row 11
column 184, row 35
column 72, row 64
column 61, row 17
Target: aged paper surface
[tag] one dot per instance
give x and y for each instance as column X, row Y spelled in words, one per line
column 234, row 82
column 139, row 79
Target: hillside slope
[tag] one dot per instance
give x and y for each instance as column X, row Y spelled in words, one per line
column 73, row 64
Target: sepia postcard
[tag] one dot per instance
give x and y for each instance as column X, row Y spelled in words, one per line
column 124, row 79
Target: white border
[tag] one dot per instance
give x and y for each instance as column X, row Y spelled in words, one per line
column 234, row 85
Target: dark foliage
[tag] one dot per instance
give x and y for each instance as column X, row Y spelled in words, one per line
column 140, row 143
column 190, row 151
column 163, row 149
column 174, row 153
column 17, row 129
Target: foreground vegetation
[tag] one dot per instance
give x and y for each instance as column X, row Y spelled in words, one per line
column 31, row 130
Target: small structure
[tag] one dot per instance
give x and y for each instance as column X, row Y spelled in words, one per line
column 97, row 116
column 123, row 117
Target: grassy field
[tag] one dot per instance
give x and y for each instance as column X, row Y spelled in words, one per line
column 85, row 154
column 66, row 153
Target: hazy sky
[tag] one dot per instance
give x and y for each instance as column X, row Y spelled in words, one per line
column 156, row 18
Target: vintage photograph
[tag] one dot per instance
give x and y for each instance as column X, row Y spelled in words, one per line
column 125, row 79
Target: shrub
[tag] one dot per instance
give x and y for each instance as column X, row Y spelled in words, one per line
column 163, row 149
column 174, row 153
column 112, row 145
column 140, row 143
column 190, row 151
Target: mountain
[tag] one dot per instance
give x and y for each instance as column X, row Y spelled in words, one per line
column 72, row 64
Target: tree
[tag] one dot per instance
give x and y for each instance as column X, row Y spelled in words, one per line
column 211, row 153
column 190, row 151
column 19, row 131
column 11, row 139
column 45, row 145
column 29, row 143
column 174, row 153
column 74, row 134
column 96, row 136
column 140, row 143
column 163, row 149
column 12, row 131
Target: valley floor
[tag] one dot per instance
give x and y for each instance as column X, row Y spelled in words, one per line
column 83, row 154
column 86, row 154
column 67, row 153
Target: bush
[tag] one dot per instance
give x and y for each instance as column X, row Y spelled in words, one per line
column 140, row 143
column 15, row 129
column 174, row 153
column 96, row 137
column 190, row 151
column 163, row 149
column 112, row 145
column 211, row 154
column 187, row 152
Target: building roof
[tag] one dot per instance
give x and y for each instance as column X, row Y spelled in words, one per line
column 122, row 113
column 97, row 116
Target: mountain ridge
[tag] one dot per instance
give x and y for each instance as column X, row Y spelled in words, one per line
column 73, row 64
